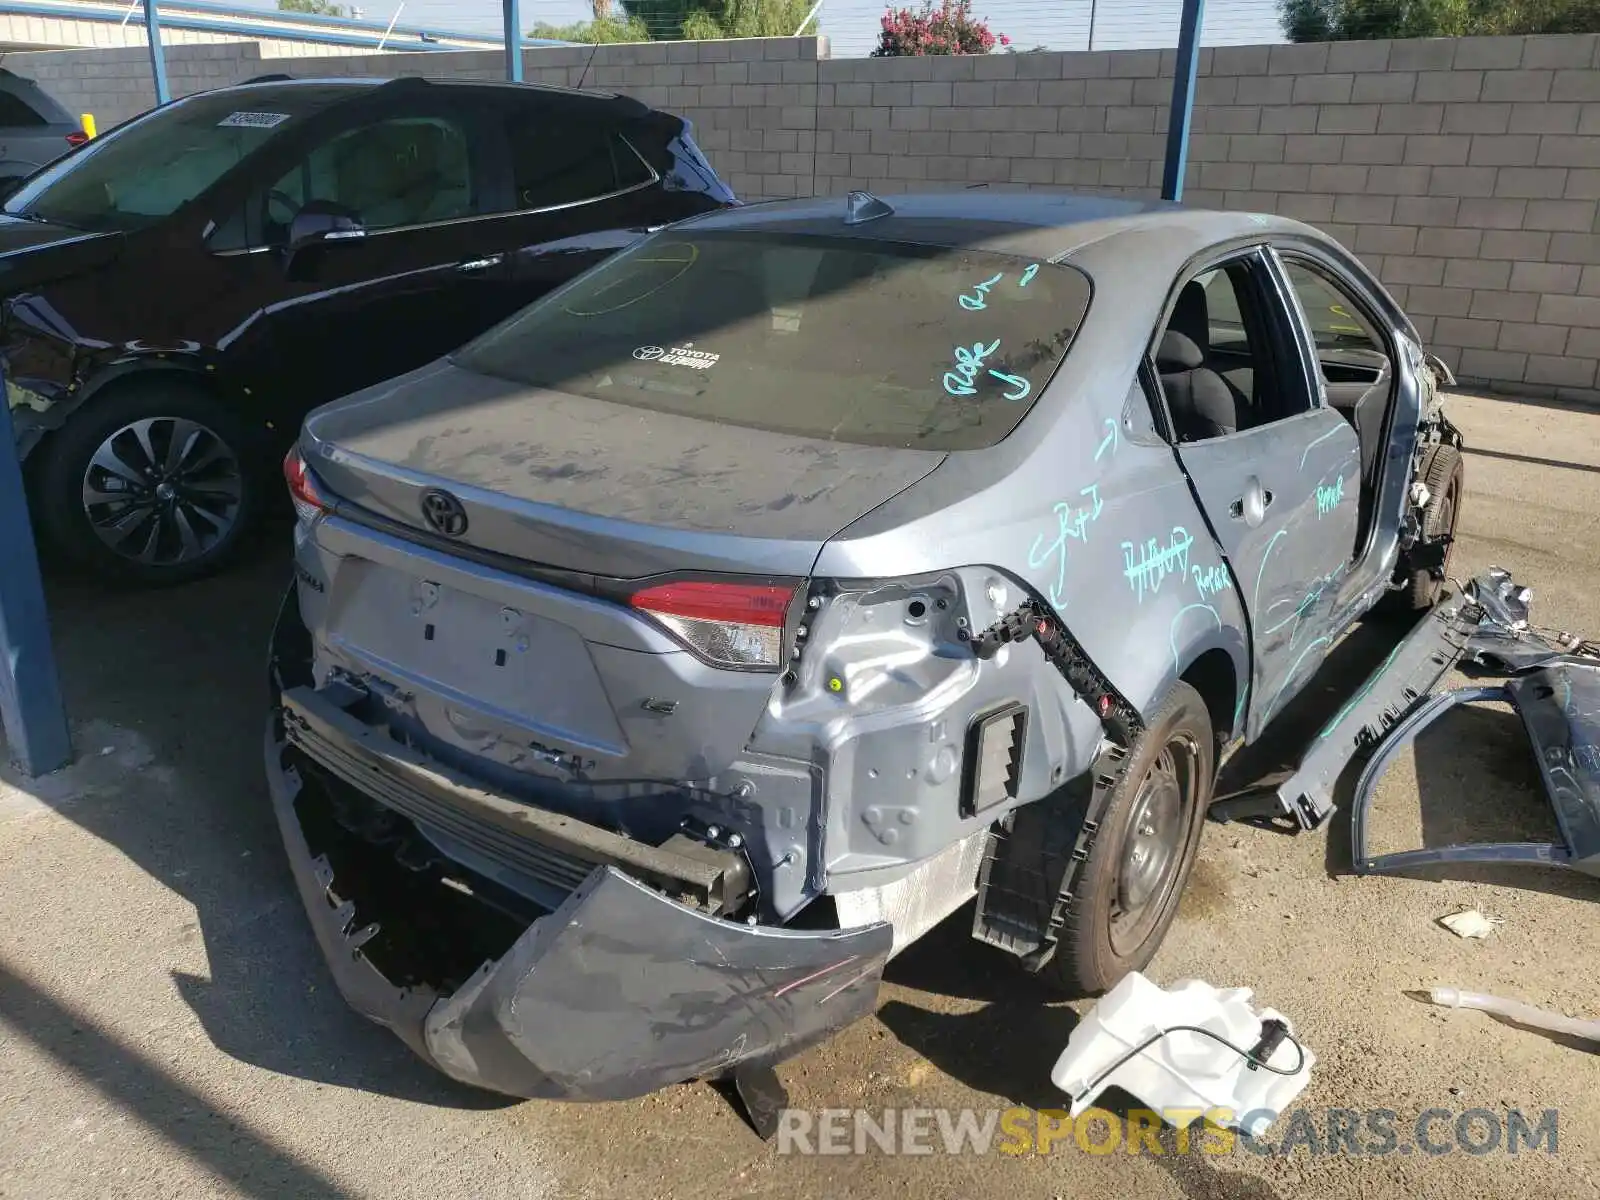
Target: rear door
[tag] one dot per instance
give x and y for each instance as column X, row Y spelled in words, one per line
column 1280, row 488
column 582, row 189
column 427, row 273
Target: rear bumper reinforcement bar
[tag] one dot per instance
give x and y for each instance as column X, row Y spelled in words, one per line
column 554, row 848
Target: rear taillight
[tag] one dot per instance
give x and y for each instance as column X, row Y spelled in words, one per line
column 308, row 502
column 77, row 137
column 729, row 624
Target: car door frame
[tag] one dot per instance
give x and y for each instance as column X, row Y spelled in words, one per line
column 533, row 232
column 1286, row 337
column 245, row 193
column 1380, row 549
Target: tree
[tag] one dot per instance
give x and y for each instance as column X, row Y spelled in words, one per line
column 320, row 8
column 1355, row 20
column 948, row 29
column 671, row 20
column 591, row 32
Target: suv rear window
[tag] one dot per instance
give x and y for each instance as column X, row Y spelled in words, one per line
column 848, row 339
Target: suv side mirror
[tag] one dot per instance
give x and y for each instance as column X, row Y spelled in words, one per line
column 320, row 221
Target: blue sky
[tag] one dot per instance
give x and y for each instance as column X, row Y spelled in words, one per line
column 852, row 24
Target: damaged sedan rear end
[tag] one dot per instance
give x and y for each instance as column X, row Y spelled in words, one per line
column 666, row 660
column 592, row 782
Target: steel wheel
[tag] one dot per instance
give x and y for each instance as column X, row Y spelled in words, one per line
column 163, row 491
column 1152, row 854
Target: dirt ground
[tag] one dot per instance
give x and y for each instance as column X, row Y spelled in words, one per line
column 167, row 1026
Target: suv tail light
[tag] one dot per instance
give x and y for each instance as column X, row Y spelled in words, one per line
column 77, row 137
column 308, row 502
column 727, row 624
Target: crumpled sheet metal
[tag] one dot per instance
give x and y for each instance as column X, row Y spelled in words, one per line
column 1555, row 690
column 1504, row 640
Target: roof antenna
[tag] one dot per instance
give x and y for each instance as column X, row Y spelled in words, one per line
column 861, row 207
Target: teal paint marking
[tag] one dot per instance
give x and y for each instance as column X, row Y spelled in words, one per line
column 976, row 301
column 1255, row 599
column 1028, row 275
column 1020, row 387
column 1155, row 561
column 968, row 363
column 1295, row 669
column 1070, row 523
column 1111, row 441
column 1172, row 633
column 1211, row 580
column 1306, row 604
column 1372, row 682
column 1319, row 441
column 1328, row 497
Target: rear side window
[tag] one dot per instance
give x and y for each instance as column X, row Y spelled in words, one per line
column 392, row 173
column 845, row 339
column 554, row 164
column 15, row 113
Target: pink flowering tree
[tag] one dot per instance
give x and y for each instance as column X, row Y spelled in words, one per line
column 948, row 28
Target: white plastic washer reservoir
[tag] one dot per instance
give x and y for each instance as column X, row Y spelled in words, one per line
column 1182, row 1069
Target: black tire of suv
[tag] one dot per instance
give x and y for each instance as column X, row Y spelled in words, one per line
column 1086, row 962
column 1442, row 473
column 63, row 458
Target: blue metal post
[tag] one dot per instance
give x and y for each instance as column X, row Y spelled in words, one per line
column 1182, row 100
column 513, row 12
column 158, row 60
column 30, row 692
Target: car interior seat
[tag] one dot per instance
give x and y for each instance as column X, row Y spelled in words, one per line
column 1201, row 404
column 1191, row 317
column 395, row 175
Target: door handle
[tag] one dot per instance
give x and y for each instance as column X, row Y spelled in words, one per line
column 1251, row 508
column 481, row 264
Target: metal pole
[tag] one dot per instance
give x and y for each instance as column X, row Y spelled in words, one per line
column 390, row 29
column 1093, row 5
column 158, row 60
column 807, row 21
column 30, row 692
column 513, row 13
column 1182, row 100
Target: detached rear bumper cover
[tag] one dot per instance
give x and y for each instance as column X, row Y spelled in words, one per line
column 1554, row 687
column 616, row 994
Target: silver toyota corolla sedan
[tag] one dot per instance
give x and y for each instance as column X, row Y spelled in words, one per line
column 667, row 659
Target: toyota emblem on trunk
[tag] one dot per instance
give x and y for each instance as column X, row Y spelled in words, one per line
column 443, row 512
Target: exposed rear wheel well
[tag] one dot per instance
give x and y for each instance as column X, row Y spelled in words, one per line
column 1212, row 675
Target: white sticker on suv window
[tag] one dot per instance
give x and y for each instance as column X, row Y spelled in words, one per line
column 252, row 120
column 678, row 356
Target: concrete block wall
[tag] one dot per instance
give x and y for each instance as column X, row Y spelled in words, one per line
column 1466, row 172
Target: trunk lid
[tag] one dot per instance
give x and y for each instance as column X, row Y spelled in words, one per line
column 579, row 484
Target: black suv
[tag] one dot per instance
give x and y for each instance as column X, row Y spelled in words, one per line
column 180, row 291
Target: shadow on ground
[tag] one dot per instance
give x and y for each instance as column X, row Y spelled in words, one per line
column 185, row 668
column 1477, row 782
column 245, row 1157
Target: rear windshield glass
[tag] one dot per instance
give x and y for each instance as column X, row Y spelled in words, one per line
column 842, row 338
